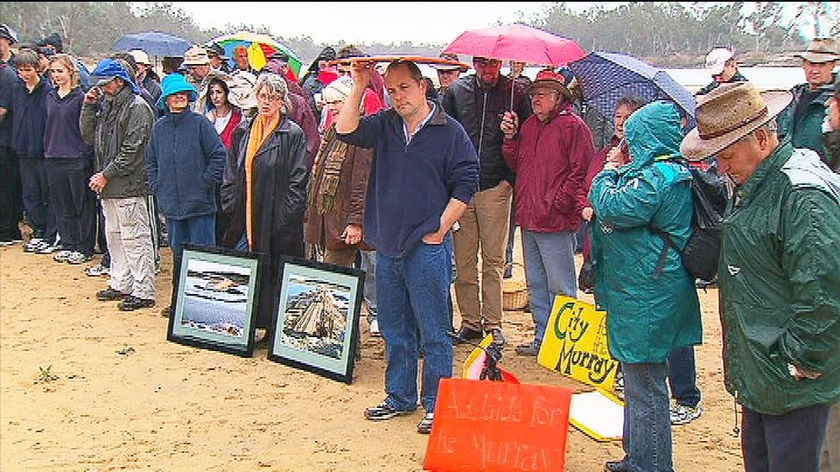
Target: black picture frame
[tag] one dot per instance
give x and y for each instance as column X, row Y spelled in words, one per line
column 215, row 304
column 316, row 318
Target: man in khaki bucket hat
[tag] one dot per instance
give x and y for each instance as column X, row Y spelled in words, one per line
column 802, row 120
column 779, row 277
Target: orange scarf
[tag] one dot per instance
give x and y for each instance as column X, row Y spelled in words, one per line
column 260, row 131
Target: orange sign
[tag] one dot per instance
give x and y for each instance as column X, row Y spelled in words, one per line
column 498, row 427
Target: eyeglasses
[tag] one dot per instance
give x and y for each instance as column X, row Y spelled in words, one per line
column 268, row 98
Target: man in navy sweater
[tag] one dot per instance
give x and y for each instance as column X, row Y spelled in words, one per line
column 424, row 174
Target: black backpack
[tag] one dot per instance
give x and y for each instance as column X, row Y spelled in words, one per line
column 711, row 196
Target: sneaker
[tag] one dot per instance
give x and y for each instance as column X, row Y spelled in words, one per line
column 62, row 256
column 33, row 244
column 47, row 248
column 384, row 411
column 131, row 303
column 468, row 334
column 10, row 242
column 96, row 271
column 618, row 466
column 425, row 425
column 683, row 414
column 110, row 295
column 374, row 328
column 531, row 349
column 77, row 258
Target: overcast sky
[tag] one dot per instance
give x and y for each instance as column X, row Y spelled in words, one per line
column 363, row 22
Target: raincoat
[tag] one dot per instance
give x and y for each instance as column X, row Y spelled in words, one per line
column 648, row 315
column 779, row 277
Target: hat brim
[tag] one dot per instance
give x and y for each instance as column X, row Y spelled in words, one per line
column 553, row 85
column 694, row 148
column 102, row 79
column 196, row 63
column 818, row 57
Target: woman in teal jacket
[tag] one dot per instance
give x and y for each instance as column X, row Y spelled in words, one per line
column 650, row 299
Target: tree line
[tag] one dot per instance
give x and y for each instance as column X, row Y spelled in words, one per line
column 668, row 34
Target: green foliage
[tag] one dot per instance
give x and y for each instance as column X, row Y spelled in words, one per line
column 45, row 375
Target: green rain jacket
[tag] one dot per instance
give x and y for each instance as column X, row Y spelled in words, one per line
column 648, row 315
column 779, row 278
column 806, row 131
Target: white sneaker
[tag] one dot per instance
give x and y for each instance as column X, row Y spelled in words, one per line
column 374, row 328
column 33, row 244
column 62, row 256
column 96, row 271
column 682, row 414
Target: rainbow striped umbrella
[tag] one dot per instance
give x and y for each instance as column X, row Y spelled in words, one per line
column 260, row 47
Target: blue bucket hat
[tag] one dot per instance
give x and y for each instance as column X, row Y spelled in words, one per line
column 172, row 84
column 109, row 69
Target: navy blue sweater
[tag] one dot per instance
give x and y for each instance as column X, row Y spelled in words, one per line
column 185, row 159
column 29, row 118
column 62, row 135
column 411, row 184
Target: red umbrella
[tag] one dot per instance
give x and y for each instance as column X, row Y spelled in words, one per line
column 517, row 43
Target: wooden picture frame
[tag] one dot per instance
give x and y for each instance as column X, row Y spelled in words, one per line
column 316, row 319
column 215, row 304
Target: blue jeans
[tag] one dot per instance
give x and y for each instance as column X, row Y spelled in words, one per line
column 791, row 442
column 682, row 376
column 197, row 230
column 550, row 268
column 414, row 310
column 647, row 421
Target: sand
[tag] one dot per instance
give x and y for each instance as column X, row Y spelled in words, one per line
column 86, row 387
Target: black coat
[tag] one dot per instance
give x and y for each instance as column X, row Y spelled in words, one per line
column 480, row 111
column 280, row 179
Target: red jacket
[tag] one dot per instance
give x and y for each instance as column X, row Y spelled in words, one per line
column 550, row 160
column 227, row 134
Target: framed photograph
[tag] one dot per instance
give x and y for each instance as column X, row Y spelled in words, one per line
column 215, row 303
column 316, row 323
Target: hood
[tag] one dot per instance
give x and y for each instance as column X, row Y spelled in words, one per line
column 653, row 131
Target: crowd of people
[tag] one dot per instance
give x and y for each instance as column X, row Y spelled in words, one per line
column 424, row 188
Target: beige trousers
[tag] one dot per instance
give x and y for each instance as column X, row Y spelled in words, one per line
column 484, row 227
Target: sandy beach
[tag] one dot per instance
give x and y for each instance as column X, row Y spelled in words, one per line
column 86, row 387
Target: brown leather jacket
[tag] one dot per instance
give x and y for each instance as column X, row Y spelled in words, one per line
column 325, row 229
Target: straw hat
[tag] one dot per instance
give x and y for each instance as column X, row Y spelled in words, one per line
column 196, row 56
column 728, row 113
column 449, row 67
column 140, row 56
column 821, row 50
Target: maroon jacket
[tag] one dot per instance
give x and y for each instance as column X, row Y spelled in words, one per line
column 550, row 160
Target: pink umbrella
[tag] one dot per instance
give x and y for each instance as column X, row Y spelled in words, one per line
column 517, row 43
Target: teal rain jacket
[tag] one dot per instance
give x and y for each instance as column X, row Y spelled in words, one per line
column 648, row 315
column 779, row 277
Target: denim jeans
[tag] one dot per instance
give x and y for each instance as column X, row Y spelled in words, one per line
column 198, row 230
column 414, row 310
column 682, row 376
column 791, row 442
column 647, row 422
column 550, row 268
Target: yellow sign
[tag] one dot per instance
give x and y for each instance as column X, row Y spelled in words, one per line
column 575, row 344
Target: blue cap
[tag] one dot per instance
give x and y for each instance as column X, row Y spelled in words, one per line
column 172, row 84
column 109, row 69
